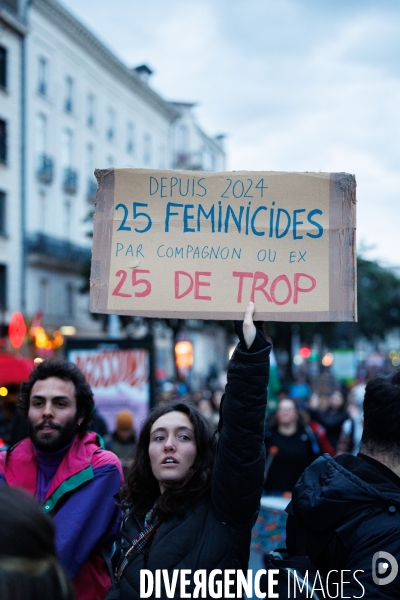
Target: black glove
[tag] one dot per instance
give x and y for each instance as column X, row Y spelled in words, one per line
column 260, row 341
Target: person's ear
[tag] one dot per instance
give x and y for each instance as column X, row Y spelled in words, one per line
column 80, row 421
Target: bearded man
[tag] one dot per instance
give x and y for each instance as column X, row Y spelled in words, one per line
column 66, row 469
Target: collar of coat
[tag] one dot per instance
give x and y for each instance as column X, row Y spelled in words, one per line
column 20, row 466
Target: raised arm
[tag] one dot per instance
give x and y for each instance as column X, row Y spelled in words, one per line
column 239, row 467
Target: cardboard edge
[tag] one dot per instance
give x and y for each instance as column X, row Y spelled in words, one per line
column 305, row 317
column 342, row 249
column 102, row 239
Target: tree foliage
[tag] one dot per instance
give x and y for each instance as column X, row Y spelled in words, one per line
column 378, row 291
column 378, row 301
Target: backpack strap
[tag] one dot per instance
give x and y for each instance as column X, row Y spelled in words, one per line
column 138, row 545
column 313, row 440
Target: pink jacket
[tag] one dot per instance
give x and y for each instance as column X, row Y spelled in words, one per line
column 80, row 500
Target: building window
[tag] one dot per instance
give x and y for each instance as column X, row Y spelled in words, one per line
column 3, row 141
column 43, row 211
column 3, row 229
column 41, row 138
column 130, row 138
column 213, row 162
column 69, row 94
column 161, row 161
column 45, row 167
column 13, row 4
column 207, row 161
column 110, row 131
column 3, row 287
column 43, row 76
column 147, row 149
column 90, row 160
column 110, row 162
column 90, row 111
column 70, row 175
column 67, row 219
column 91, row 181
column 3, row 67
column 69, row 300
column 44, row 296
column 182, row 142
column 67, row 147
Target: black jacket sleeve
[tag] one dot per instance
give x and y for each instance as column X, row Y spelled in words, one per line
column 239, row 466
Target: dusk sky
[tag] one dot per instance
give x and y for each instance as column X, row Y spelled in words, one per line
column 296, row 85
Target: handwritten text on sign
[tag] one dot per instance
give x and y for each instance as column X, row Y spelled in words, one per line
column 206, row 244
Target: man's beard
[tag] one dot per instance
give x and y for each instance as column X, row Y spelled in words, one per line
column 53, row 444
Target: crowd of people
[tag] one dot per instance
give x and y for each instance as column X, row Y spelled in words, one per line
column 183, row 493
column 302, row 429
column 189, row 498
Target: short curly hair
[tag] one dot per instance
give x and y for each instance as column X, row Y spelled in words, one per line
column 68, row 371
column 381, row 432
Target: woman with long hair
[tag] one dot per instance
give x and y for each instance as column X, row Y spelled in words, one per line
column 332, row 416
column 191, row 501
column 291, row 447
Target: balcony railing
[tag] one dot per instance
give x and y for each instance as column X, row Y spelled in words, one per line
column 91, row 190
column 45, row 172
column 191, row 161
column 57, row 250
column 68, row 105
column 70, row 182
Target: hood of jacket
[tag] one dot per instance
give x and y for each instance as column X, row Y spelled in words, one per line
column 333, row 490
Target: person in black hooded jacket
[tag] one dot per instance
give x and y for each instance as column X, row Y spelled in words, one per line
column 194, row 503
column 346, row 510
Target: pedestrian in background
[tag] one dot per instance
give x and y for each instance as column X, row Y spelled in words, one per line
column 291, row 447
column 205, row 408
column 344, row 512
column 352, row 428
column 123, row 440
column 216, row 398
column 65, row 469
column 332, row 416
column 29, row 568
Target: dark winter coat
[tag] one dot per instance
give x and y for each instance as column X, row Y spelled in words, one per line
column 215, row 533
column 332, row 420
column 348, row 509
column 294, row 454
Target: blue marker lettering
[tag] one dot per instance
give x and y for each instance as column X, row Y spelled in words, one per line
column 317, row 225
column 169, row 213
column 187, row 217
column 253, row 218
column 296, row 223
column 280, row 212
column 153, row 179
column 237, row 220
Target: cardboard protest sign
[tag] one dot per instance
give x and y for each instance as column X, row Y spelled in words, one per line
column 191, row 244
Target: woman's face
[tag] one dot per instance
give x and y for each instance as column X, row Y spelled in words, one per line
column 286, row 413
column 336, row 400
column 172, row 448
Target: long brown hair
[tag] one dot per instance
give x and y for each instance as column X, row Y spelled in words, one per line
column 142, row 489
column 272, row 420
